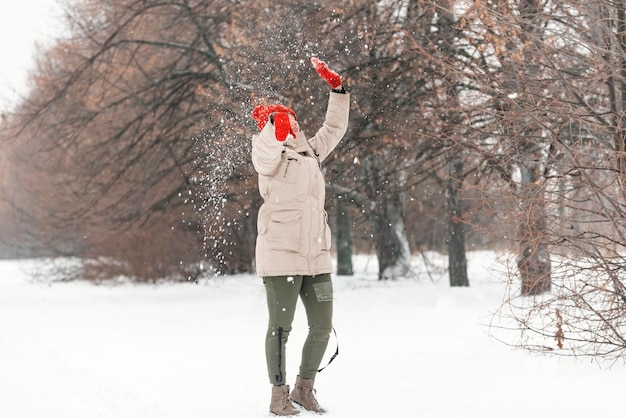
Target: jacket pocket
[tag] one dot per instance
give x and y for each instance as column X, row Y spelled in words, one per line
column 292, row 167
column 283, row 232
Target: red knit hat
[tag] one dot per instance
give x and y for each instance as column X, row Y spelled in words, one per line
column 261, row 113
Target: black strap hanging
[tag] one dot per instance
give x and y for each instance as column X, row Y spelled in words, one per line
column 334, row 355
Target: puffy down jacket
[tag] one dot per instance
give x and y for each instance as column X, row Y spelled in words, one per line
column 293, row 233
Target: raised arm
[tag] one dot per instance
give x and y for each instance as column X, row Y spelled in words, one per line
column 337, row 113
column 267, row 146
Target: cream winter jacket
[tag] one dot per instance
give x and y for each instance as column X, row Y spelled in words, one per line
column 293, row 234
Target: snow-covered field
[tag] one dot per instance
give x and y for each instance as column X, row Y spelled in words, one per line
column 411, row 348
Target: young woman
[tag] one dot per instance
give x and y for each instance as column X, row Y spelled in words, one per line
column 293, row 243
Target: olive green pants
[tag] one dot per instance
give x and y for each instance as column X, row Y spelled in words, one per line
column 282, row 292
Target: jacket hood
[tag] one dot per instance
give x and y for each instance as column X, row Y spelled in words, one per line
column 299, row 143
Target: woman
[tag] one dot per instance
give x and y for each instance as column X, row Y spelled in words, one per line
column 293, row 243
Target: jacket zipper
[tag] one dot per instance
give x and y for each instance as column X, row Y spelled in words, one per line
column 279, row 376
column 289, row 160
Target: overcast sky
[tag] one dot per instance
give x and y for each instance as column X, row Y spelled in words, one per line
column 22, row 23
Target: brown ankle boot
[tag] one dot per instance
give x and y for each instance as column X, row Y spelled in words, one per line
column 281, row 405
column 304, row 394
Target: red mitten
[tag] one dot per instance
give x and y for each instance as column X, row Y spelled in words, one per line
column 282, row 126
column 326, row 73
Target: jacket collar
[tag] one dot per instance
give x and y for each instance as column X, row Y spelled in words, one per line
column 299, row 144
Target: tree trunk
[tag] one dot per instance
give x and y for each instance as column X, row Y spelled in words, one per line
column 534, row 257
column 457, row 260
column 618, row 100
column 344, row 239
column 392, row 245
column 390, row 237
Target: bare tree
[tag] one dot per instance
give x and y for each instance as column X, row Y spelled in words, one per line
column 562, row 105
column 109, row 122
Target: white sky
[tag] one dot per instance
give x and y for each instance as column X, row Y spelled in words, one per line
column 22, row 23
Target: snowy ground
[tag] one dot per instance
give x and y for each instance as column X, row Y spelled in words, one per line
column 410, row 348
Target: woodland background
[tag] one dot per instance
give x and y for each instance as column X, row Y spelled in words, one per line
column 474, row 125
